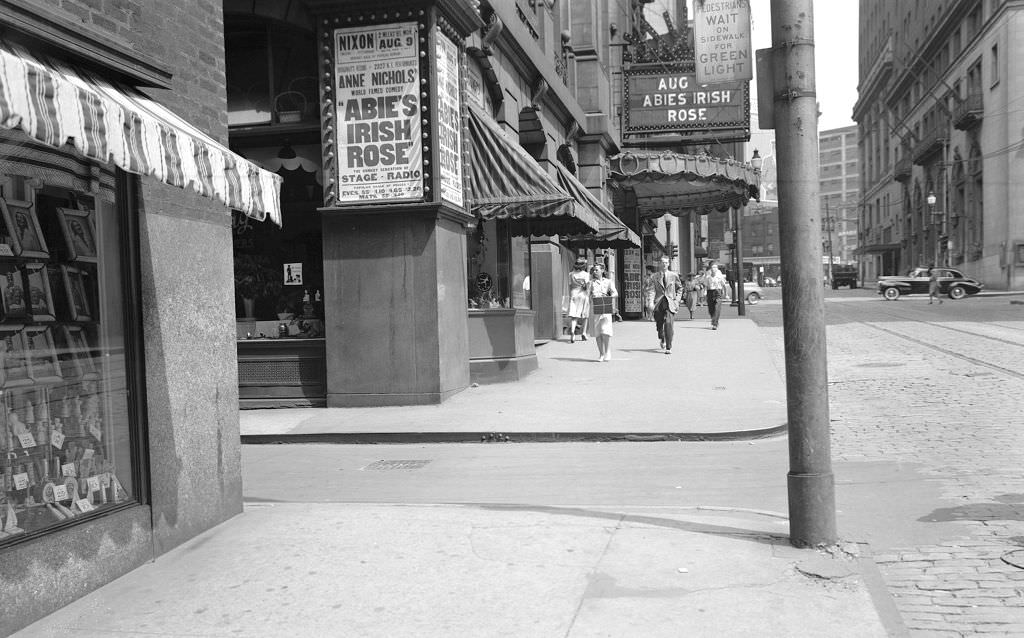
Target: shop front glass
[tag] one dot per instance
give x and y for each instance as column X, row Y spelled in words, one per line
column 499, row 267
column 66, row 452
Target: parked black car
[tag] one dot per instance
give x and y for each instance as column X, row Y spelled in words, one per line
column 951, row 282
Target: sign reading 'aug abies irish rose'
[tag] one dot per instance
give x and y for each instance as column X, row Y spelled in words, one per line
column 661, row 100
column 380, row 147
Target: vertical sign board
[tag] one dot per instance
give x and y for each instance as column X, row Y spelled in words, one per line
column 380, row 146
column 631, row 273
column 721, row 41
column 449, row 121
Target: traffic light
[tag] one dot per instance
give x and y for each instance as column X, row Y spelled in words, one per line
column 674, row 251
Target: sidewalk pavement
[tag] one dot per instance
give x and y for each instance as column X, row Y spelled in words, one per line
column 287, row 569
column 717, row 384
column 366, row 570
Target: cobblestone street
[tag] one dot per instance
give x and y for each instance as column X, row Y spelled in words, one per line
column 938, row 387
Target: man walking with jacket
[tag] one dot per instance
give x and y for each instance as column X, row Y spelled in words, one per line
column 663, row 298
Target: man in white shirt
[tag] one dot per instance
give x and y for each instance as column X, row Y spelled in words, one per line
column 717, row 287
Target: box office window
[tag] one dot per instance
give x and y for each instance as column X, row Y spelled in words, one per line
column 67, row 451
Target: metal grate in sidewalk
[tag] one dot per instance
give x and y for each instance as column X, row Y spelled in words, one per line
column 396, row 465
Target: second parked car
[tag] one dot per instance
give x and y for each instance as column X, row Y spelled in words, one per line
column 951, row 282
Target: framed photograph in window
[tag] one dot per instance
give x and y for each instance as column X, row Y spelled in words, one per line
column 13, row 301
column 40, row 298
column 79, row 233
column 26, row 235
column 8, row 242
column 13, row 363
column 74, row 353
column 76, row 293
column 41, row 354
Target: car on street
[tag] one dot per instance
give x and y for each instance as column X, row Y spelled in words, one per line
column 752, row 292
column 952, row 282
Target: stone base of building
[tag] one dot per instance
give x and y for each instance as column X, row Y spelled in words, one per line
column 486, row 371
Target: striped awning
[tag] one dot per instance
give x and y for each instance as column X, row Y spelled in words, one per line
column 612, row 233
column 506, row 183
column 57, row 104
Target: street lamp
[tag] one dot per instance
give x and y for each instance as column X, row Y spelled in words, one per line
column 931, row 199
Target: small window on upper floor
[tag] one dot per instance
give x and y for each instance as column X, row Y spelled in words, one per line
column 995, row 65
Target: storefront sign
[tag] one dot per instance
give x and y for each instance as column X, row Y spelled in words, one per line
column 377, row 86
column 632, row 273
column 660, row 101
column 721, row 41
column 449, row 121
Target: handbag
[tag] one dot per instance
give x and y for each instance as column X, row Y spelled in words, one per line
column 602, row 305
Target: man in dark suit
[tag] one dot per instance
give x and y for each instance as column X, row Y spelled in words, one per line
column 665, row 292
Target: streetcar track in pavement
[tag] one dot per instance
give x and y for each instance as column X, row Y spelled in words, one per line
column 947, row 351
column 958, row 330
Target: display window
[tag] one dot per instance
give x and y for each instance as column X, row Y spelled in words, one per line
column 68, row 444
column 499, row 267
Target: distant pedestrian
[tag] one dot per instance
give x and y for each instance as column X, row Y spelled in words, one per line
column 579, row 299
column 663, row 300
column 690, row 290
column 714, row 282
column 601, row 286
column 933, row 285
column 646, row 288
column 702, row 292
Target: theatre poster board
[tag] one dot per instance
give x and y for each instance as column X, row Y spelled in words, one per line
column 377, row 87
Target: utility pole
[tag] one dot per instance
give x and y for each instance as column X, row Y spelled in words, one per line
column 811, row 485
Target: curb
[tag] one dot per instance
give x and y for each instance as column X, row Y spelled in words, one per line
column 363, row 438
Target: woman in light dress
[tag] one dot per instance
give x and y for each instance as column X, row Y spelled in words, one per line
column 601, row 286
column 579, row 299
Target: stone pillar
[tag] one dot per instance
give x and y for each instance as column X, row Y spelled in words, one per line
column 395, row 308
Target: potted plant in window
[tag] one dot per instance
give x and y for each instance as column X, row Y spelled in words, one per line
column 255, row 278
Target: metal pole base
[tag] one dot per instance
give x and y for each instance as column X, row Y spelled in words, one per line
column 812, row 509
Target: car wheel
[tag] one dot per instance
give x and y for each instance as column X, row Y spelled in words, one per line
column 753, row 298
column 957, row 292
column 891, row 293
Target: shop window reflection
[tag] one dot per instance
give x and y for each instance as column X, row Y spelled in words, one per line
column 499, row 267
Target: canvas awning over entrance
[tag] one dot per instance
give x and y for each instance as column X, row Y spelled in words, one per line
column 506, row 183
column 678, row 184
column 612, row 233
column 57, row 104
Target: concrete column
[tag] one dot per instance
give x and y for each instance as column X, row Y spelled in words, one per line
column 394, row 308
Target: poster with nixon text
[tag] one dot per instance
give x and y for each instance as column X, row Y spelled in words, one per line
column 449, row 121
column 380, row 149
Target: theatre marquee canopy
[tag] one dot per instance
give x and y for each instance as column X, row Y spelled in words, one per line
column 677, row 184
column 58, row 104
